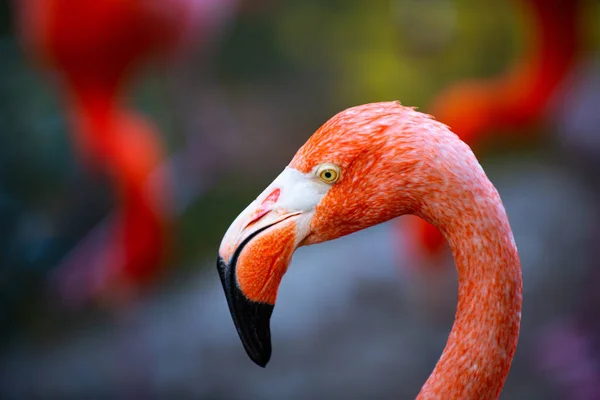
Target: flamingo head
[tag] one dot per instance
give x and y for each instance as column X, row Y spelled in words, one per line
column 366, row 165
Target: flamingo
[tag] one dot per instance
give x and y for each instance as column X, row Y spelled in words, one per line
column 93, row 48
column 366, row 165
column 476, row 110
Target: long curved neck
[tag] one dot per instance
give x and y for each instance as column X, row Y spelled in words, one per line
column 483, row 340
column 127, row 146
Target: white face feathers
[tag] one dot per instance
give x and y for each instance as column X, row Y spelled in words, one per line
column 292, row 193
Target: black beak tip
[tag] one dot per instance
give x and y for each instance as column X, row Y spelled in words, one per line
column 251, row 319
column 260, row 359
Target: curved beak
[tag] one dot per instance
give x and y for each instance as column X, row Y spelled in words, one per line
column 253, row 257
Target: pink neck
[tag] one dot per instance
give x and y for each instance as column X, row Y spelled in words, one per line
column 482, row 343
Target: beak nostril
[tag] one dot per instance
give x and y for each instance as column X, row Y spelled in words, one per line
column 264, row 207
column 257, row 215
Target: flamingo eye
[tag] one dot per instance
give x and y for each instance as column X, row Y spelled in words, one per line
column 328, row 173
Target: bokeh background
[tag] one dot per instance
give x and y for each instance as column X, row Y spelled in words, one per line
column 365, row 316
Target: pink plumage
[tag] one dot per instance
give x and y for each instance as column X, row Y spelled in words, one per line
column 391, row 160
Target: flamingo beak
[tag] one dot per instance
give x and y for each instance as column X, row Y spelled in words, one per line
column 253, row 257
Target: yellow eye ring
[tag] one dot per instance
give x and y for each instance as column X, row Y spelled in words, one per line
column 328, row 173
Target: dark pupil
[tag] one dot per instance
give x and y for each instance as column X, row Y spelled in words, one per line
column 327, row 174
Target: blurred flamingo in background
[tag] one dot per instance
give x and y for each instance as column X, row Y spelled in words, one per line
column 509, row 104
column 94, row 50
